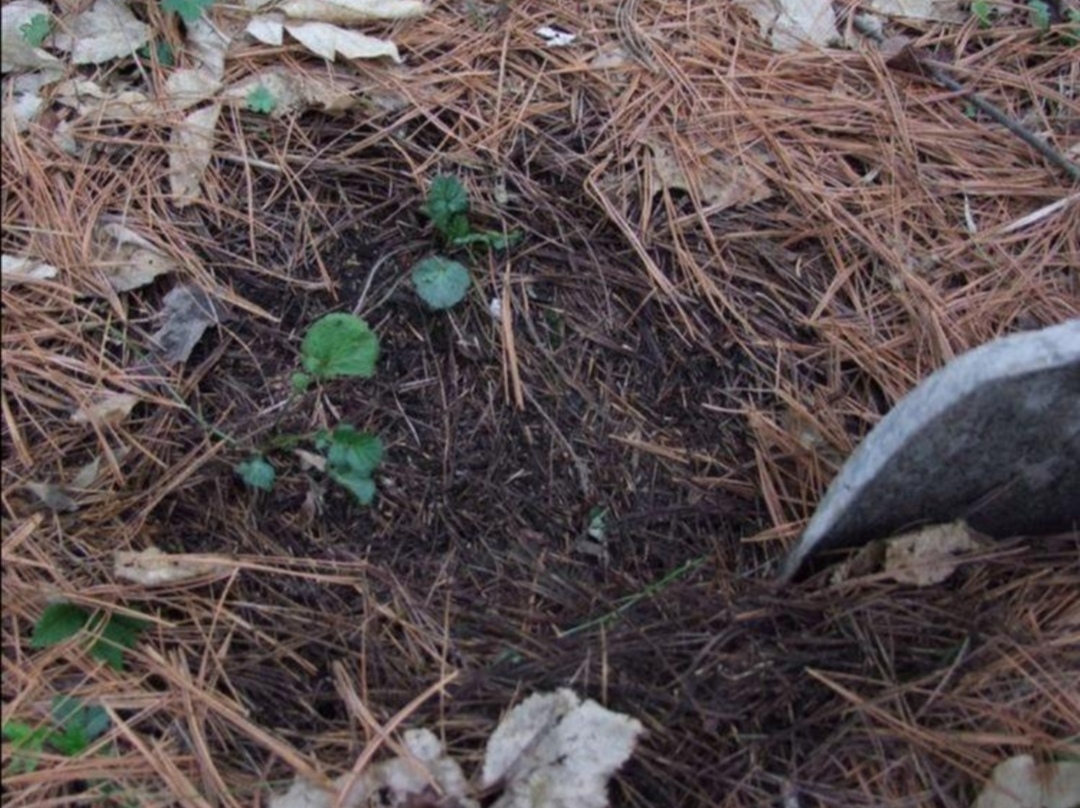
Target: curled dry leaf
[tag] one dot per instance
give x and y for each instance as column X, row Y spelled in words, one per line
column 15, row 52
column 153, row 567
column 129, row 260
column 794, row 24
column 90, row 99
column 52, row 496
column 928, row 555
column 21, row 269
column 294, row 91
column 719, row 184
column 105, row 31
column 327, row 41
column 185, row 88
column 1020, row 782
column 188, row 312
column 555, row 751
column 426, row 778
column 109, row 408
column 346, row 12
column 190, row 147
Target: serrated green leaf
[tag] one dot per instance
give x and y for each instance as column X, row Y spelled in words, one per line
column 35, row 31
column 440, row 282
column 1040, row 14
column 188, row 10
column 339, row 345
column 300, row 382
column 353, row 452
column 59, row 622
column 362, row 488
column 256, row 472
column 162, row 51
column 69, row 711
column 492, row 238
column 446, row 199
column 261, row 100
column 119, row 633
column 28, row 743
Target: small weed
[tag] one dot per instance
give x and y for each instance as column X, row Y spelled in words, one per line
column 35, row 31
column 1039, row 13
column 336, row 346
column 108, row 636
column 261, row 100
column 188, row 10
column 442, row 282
column 983, row 12
column 73, row 727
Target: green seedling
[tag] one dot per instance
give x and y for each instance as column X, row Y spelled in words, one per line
column 441, row 282
column 983, row 12
column 35, row 31
column 162, row 52
column 351, row 460
column 336, row 345
column 107, row 636
column 73, row 727
column 261, row 100
column 188, row 10
column 1039, row 12
column 256, row 472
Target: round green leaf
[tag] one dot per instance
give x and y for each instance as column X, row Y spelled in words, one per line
column 256, row 472
column 440, row 282
column 353, row 453
column 362, row 488
column 339, row 345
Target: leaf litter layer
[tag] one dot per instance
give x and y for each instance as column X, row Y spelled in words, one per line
column 733, row 264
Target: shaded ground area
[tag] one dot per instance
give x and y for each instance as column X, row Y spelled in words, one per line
column 683, row 378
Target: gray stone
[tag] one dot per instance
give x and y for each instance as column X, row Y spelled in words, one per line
column 993, row 438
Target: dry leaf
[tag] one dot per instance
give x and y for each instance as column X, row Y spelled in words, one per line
column 153, row 567
column 428, row 777
column 718, row 184
column 185, row 88
column 555, row 751
column 52, row 496
column 208, row 44
column 109, row 408
column 939, row 10
column 92, row 100
column 20, row 269
column 15, row 52
column 295, row 91
column 130, row 261
column 107, row 30
column 327, row 41
column 345, row 12
column 928, row 555
column 1020, row 782
column 794, row 24
column 190, row 147
column 188, row 312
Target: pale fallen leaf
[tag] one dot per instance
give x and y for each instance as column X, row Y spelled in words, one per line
column 130, row 261
column 107, row 30
column 1020, row 782
column 86, row 476
column 21, row 269
column 794, row 24
column 108, row 408
column 310, row 460
column 555, row 37
column 90, row 99
column 268, row 28
column 718, row 184
column 190, row 147
column 154, row 567
column 928, row 555
column 52, row 496
column 15, row 52
column 187, row 87
column 345, row 12
column 294, row 91
column 559, row 747
column 22, row 100
column 208, row 44
column 426, row 777
column 328, row 41
column 187, row 313
column 939, row 10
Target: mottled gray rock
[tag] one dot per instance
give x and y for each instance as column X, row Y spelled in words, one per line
column 993, row 438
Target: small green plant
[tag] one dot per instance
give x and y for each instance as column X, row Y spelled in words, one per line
column 261, row 100
column 162, row 51
column 74, row 726
column 441, row 282
column 35, row 31
column 983, row 12
column 336, row 345
column 188, row 10
column 107, row 635
column 1039, row 12
column 351, row 460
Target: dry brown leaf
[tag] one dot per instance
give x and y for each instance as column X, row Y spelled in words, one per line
column 327, row 41
column 105, row 31
column 294, row 91
column 718, row 184
column 928, row 555
column 794, row 24
column 153, row 567
column 190, row 148
column 21, row 269
column 1020, row 782
column 347, row 12
column 187, row 313
column 109, row 408
column 130, row 261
